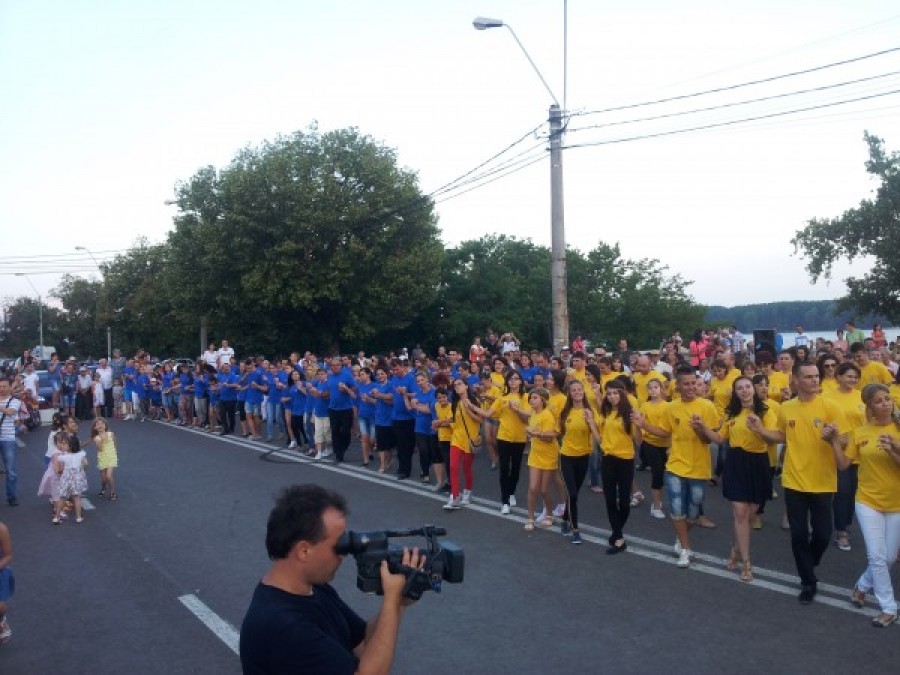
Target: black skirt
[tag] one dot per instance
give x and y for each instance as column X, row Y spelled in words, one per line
column 746, row 477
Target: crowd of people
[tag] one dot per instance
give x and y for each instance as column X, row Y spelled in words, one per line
column 715, row 409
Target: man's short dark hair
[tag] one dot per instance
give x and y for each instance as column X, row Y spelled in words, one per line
column 857, row 347
column 684, row 370
column 297, row 516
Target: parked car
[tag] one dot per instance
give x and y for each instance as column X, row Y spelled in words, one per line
column 45, row 389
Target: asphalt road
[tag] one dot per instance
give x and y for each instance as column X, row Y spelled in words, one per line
column 158, row 581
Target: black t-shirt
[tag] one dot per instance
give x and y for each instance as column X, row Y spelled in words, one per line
column 287, row 633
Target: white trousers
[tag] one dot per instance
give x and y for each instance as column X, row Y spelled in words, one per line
column 881, row 530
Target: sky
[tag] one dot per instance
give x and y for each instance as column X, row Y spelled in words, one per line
column 108, row 105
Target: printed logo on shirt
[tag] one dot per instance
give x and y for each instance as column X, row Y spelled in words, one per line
column 792, row 423
column 817, row 422
column 864, row 442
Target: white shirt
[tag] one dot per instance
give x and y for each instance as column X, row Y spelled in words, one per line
column 106, row 377
column 210, row 357
column 662, row 367
column 31, row 383
column 225, row 355
column 801, row 340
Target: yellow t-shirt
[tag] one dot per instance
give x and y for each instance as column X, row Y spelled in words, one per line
column 556, row 404
column 641, row 380
column 615, row 440
column 444, row 412
column 512, row 426
column 778, row 380
column 498, row 379
column 654, row 413
column 607, row 378
column 808, row 460
column 465, row 427
column 852, row 405
column 736, row 432
column 544, row 454
column 672, row 392
column 689, row 455
column 720, row 393
column 579, row 375
column 879, row 474
column 578, row 440
column 490, row 395
column 829, row 385
column 895, row 394
column 874, row 372
column 772, row 448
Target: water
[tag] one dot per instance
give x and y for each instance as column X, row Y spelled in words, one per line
column 893, row 334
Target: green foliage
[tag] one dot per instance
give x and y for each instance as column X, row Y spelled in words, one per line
column 870, row 230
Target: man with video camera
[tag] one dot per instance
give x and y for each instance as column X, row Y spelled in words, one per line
column 296, row 622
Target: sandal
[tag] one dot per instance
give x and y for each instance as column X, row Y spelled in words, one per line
column 746, row 572
column 529, row 526
column 79, row 520
column 733, row 560
column 112, row 496
column 102, row 493
column 546, row 522
column 857, row 597
column 884, row 620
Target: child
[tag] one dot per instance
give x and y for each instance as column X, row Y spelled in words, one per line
column 107, row 457
column 7, row 582
column 73, row 481
column 118, row 399
column 50, row 481
column 97, row 388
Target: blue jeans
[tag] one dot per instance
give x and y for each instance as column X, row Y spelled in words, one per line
column 9, row 449
column 594, row 466
column 685, row 496
column 274, row 415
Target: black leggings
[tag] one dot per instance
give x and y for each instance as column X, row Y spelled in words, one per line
column 299, row 429
column 618, row 475
column 427, row 445
column 574, row 470
column 510, row 466
column 655, row 456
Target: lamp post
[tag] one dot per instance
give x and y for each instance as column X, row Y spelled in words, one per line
column 105, row 300
column 558, row 283
column 40, row 311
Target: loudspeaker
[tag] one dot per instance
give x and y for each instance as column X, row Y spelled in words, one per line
column 764, row 340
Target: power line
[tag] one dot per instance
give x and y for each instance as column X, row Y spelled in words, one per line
column 735, row 103
column 714, row 125
column 524, row 165
column 732, row 87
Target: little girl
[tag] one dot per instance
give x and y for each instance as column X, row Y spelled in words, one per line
column 50, row 481
column 118, row 398
column 70, row 467
column 97, row 389
column 107, row 458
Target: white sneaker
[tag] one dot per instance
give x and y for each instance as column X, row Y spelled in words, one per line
column 657, row 513
column 559, row 510
column 684, row 558
column 5, row 632
column 319, row 455
column 677, row 548
column 452, row 504
column 541, row 515
column 637, row 499
column 292, row 444
column 328, row 452
column 466, row 497
column 504, row 510
column 512, row 500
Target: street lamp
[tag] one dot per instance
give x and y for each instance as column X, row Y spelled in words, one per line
column 105, row 300
column 558, row 283
column 40, row 311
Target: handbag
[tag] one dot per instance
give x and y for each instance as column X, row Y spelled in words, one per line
column 477, row 440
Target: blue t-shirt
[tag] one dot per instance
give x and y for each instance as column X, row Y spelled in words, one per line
column 400, row 412
column 298, row 397
column 167, row 380
column 337, row 398
column 283, row 385
column 310, row 399
column 187, row 382
column 272, row 392
column 423, row 420
column 257, row 377
column 384, row 411
column 241, row 380
column 321, row 407
column 142, row 386
column 201, row 386
column 129, row 374
column 365, row 409
column 215, row 393
column 528, row 374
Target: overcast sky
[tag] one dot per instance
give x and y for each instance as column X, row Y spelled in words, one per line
column 108, row 104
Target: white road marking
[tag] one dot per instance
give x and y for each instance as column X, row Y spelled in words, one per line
column 646, row 548
column 220, row 628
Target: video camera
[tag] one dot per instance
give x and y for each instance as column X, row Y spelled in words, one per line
column 443, row 561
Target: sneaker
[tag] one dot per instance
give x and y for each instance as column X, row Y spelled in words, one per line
column 319, row 455
column 677, row 548
column 504, row 510
column 774, row 494
column 466, row 497
column 564, row 527
column 541, row 515
column 637, row 499
column 328, row 452
column 559, row 510
column 5, row 632
column 684, row 558
column 291, row 445
column 576, row 537
column 452, row 504
column 512, row 500
column 843, row 542
column 807, row 594
column 445, row 488
column 657, row 513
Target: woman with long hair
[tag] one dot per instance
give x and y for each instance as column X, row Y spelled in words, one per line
column 746, row 480
column 876, row 447
column 512, row 411
column 466, row 425
column 543, row 460
column 579, row 430
column 619, row 439
column 697, row 347
column 827, row 364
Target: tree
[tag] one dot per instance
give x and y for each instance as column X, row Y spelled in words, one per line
column 21, row 326
column 872, row 229
column 316, row 239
